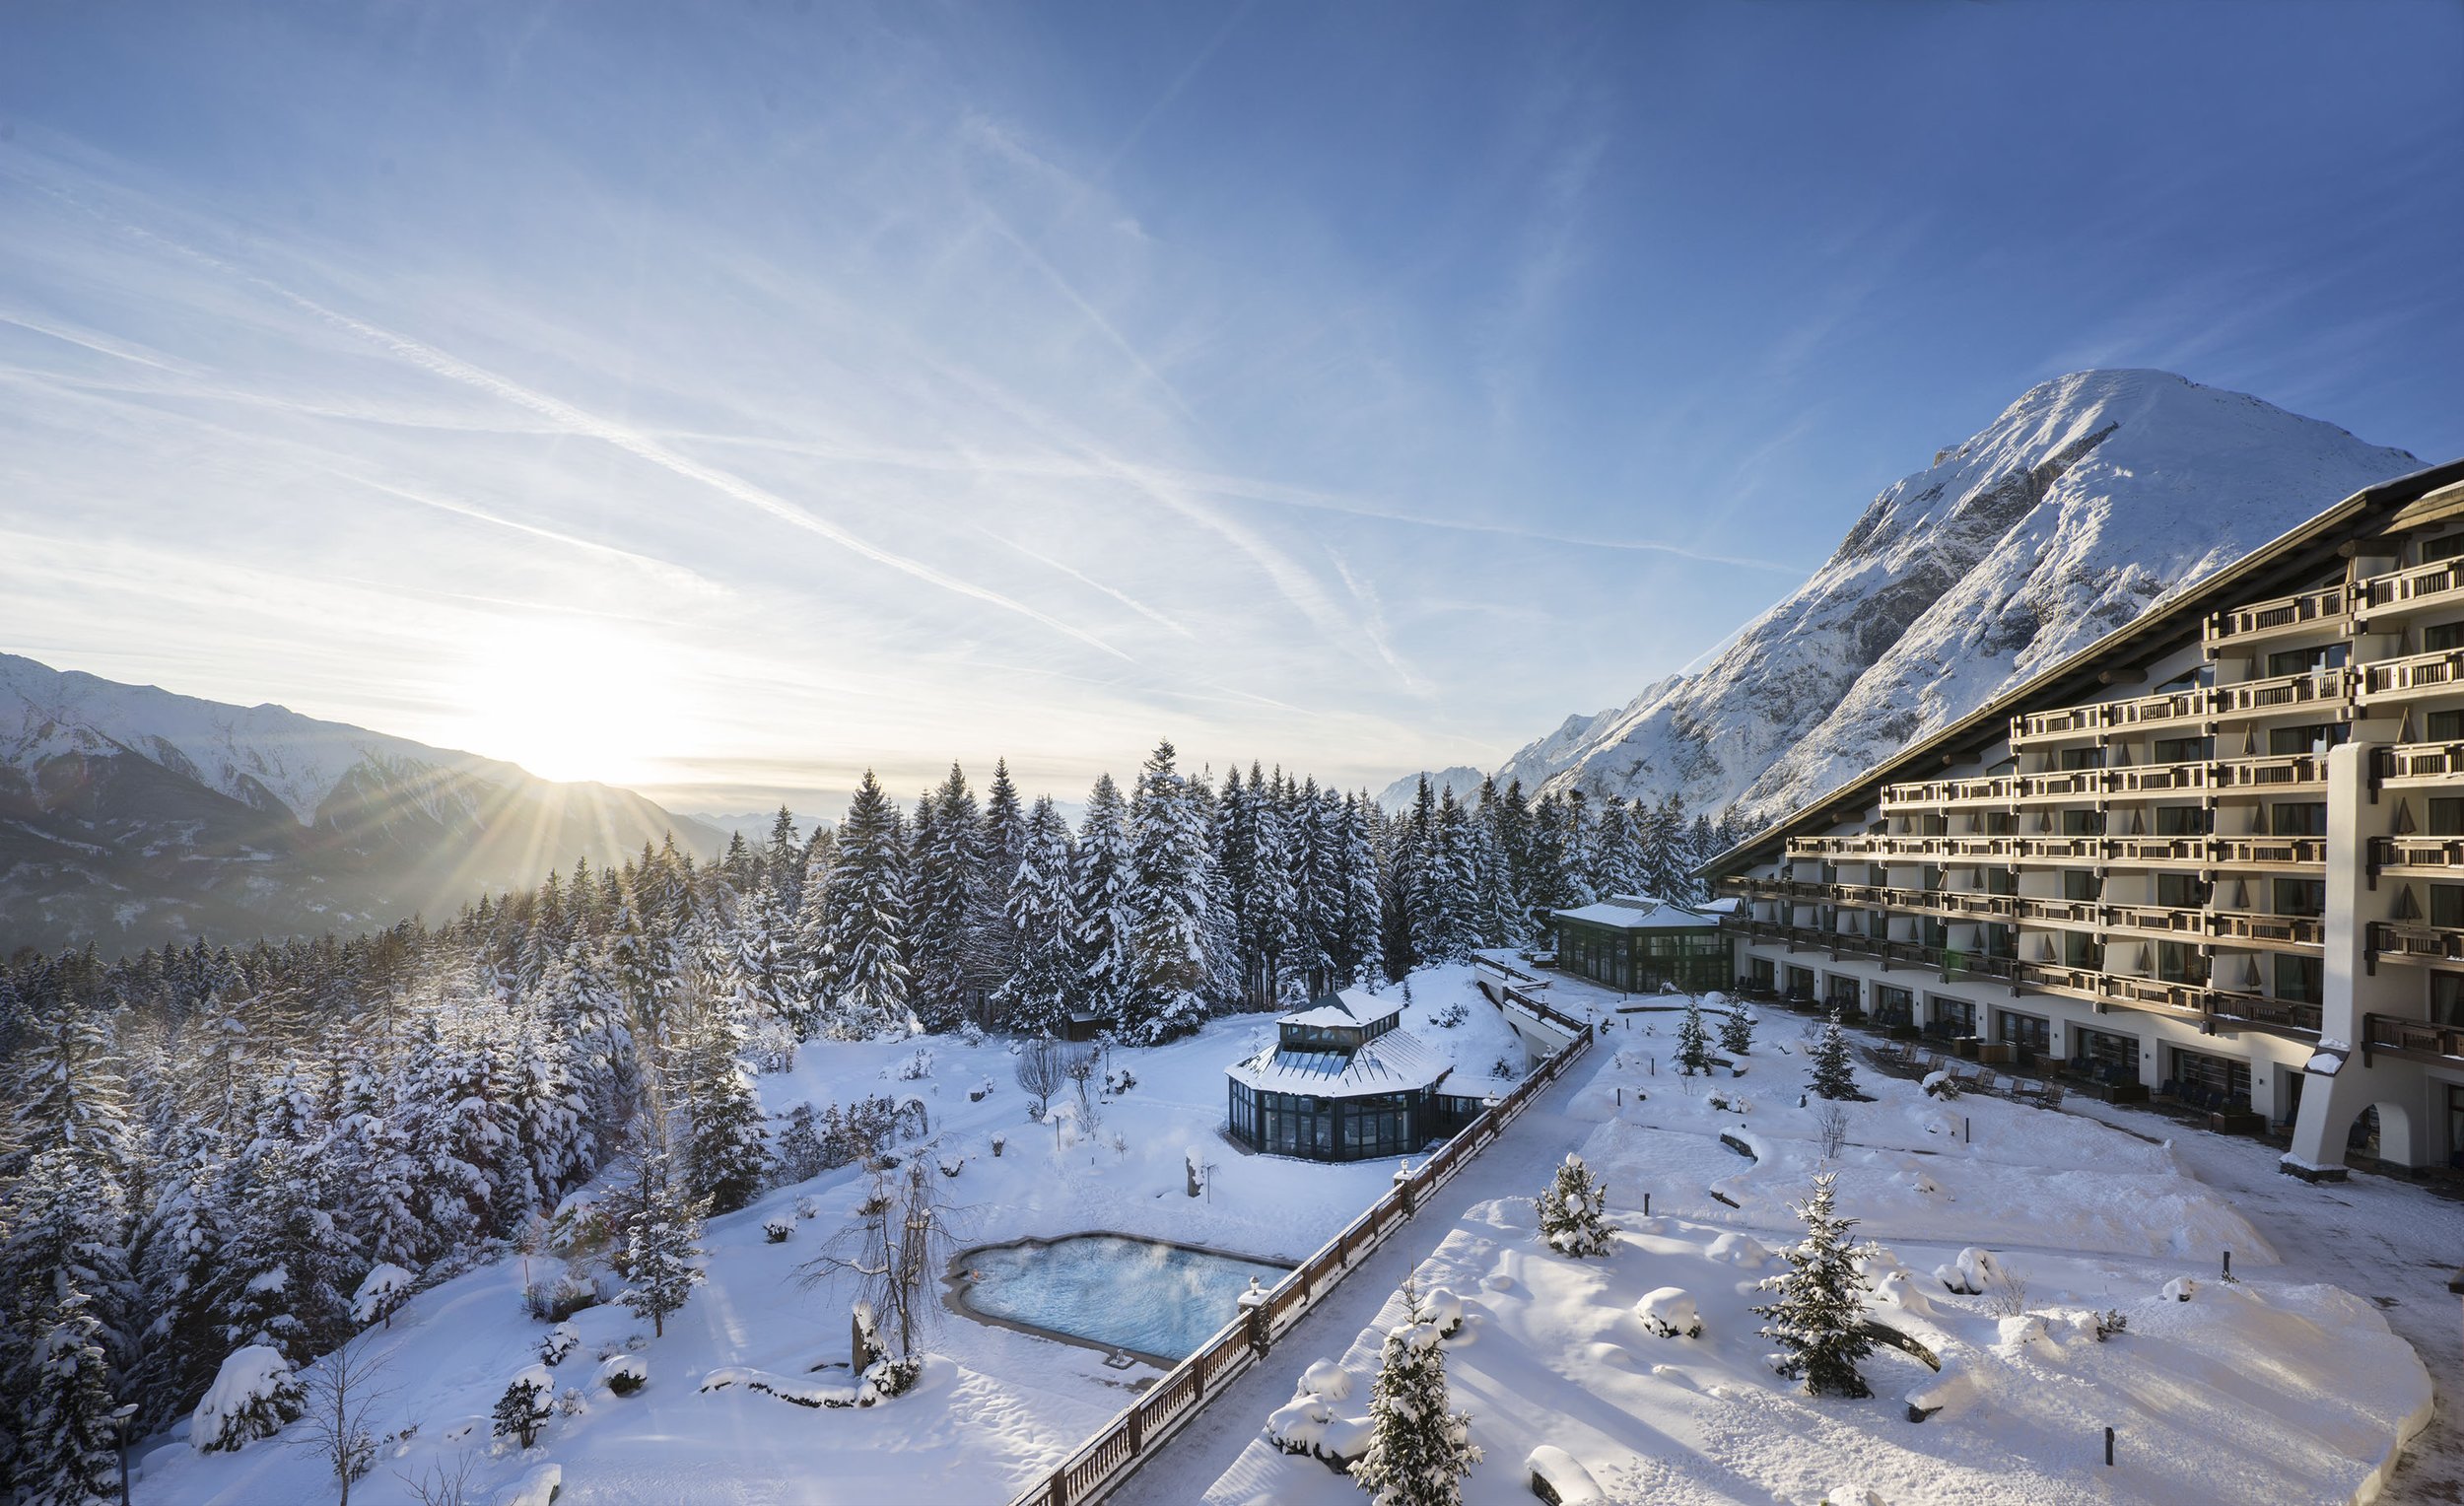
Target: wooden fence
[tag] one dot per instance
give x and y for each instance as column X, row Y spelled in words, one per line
column 1129, row 1439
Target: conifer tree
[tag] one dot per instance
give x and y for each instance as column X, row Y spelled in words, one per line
column 1419, row 1450
column 782, row 865
column 1105, row 872
column 726, row 1151
column 947, row 872
column 1819, row 1317
column 1829, row 1073
column 989, row 949
column 865, row 917
column 1573, row 1211
column 1737, row 1029
column 1170, row 878
column 660, row 1222
column 62, row 1267
column 1037, row 996
column 1693, row 1056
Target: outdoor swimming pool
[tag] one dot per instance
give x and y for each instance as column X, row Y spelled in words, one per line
column 1156, row 1300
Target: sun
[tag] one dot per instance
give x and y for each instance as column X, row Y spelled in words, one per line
column 567, row 700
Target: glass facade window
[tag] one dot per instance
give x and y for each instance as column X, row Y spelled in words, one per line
column 2181, row 891
column 2446, row 998
column 2297, row 978
column 1801, row 982
column 2032, row 1033
column 1893, row 1007
column 2219, row 1081
column 2306, row 896
column 1951, row 1016
column 2181, row 821
column 2104, row 1056
column 2184, row 750
column 1843, row 995
column 1329, row 1129
column 2307, row 661
column 2446, row 903
column 2300, row 818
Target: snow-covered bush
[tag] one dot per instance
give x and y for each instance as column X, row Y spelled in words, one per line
column 623, row 1374
column 1559, row 1479
column 1899, row 1289
column 886, row 1378
column 1572, row 1210
column 561, row 1340
column 916, row 1068
column 2110, row 1322
column 1973, row 1273
column 1118, row 1080
column 1442, row 1308
column 1819, row 1317
column 525, row 1406
column 253, row 1395
column 1451, row 1016
column 580, row 1227
column 2180, row 1290
column 1940, row 1084
column 1505, row 1069
column 1670, row 1312
column 1419, row 1451
column 971, row 1034
column 1741, row 1250
column 808, row 1207
column 573, row 1290
column 381, row 1295
column 1736, row 1031
column 777, row 1230
column 538, row 1487
column 950, row 1166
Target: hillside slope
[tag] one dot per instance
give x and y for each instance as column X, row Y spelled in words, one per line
column 2084, row 503
column 131, row 816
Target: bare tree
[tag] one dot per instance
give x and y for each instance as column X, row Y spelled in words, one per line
column 1040, row 1071
column 2007, row 1297
column 901, row 1235
column 443, row 1484
column 1830, row 1129
column 341, row 1393
column 1080, row 1069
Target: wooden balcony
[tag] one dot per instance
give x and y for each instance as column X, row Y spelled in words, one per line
column 2430, row 855
column 2061, row 911
column 1978, row 849
column 2417, row 942
column 2161, row 779
column 1837, row 847
column 2313, row 691
column 2156, row 919
column 2399, row 591
column 2058, row 848
column 2256, row 929
column 2414, row 1040
column 2059, row 977
column 2280, row 774
column 2418, row 674
column 2154, row 994
column 2071, row 722
column 2258, row 1011
column 2064, row 785
column 2326, row 609
column 2410, row 764
column 2159, row 851
column 2173, row 708
column 2270, row 851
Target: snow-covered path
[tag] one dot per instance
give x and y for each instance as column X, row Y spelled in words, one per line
column 2397, row 1244
column 1517, row 1165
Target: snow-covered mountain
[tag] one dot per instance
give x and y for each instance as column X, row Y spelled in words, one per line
column 2085, row 502
column 131, row 815
column 1400, row 795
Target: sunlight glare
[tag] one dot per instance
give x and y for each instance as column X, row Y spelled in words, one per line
column 567, row 700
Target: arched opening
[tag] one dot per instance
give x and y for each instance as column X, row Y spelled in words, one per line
column 2361, row 1137
column 2382, row 1133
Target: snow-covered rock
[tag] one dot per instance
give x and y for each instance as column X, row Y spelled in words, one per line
column 1974, row 1271
column 2180, row 1290
column 1567, row 1482
column 2088, row 500
column 538, row 1487
column 1741, row 1250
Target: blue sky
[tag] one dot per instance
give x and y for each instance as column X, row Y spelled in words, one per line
column 721, row 399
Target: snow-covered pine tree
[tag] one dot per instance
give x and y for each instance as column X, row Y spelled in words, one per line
column 726, row 1150
column 1618, row 864
column 1819, row 1317
column 1578, row 831
column 783, row 866
column 990, row 950
column 1573, row 1211
column 1830, row 1070
column 1693, row 1052
column 948, row 871
column 61, row 1269
column 1171, row 861
column 1265, row 921
column 1107, row 923
column 1042, row 987
column 1737, row 1029
column 865, row 917
column 1419, row 1449
column 1356, row 948
column 660, row 1222
column 553, row 1151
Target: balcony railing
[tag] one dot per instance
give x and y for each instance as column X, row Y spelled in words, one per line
column 2280, row 1015
column 2268, row 929
column 2281, row 772
column 2418, row 674
column 1997, row 848
column 2434, row 943
column 2161, row 778
column 2417, row 1039
column 2064, row 785
column 2168, row 920
column 2059, row 848
column 2408, row 761
column 2166, row 710
column 2068, row 722
column 2062, row 911
column 2426, row 584
column 2270, row 851
column 2281, row 614
column 2416, row 852
column 2158, row 850
column 2282, row 693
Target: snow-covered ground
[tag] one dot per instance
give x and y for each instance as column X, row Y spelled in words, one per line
column 2265, row 1389
column 996, row 1407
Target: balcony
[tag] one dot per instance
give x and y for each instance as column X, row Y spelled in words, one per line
column 2420, row 763
column 2422, row 943
column 2155, row 712
column 2062, row 911
column 2058, row 848
column 2256, row 929
column 2270, row 852
column 2418, row 674
column 2395, row 593
column 2310, row 691
column 2159, row 849
column 1836, row 846
column 2052, row 977
column 2431, row 854
column 2414, row 1040
column 2071, row 722
column 2154, row 994
column 1978, row 849
column 2161, row 779
column 2064, row 785
column 2257, row 1011
column 2326, row 609
column 2154, row 920
column 2281, row 774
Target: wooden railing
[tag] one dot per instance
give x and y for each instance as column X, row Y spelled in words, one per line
column 2417, row 672
column 2276, row 774
column 2427, row 582
column 2282, row 930
column 2278, row 614
column 2416, row 852
column 2065, row 785
column 2410, row 1038
column 2148, row 778
column 2437, row 943
column 2156, row 848
column 1098, row 1466
column 2256, row 698
column 2270, row 851
column 2419, row 761
column 2153, row 918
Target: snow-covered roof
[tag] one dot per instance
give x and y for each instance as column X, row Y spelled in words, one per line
column 1390, row 1063
column 1351, row 1006
column 1640, row 911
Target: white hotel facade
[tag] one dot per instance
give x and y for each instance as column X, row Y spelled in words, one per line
column 2220, row 853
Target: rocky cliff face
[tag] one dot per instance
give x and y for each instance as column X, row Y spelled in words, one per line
column 130, row 816
column 2084, row 503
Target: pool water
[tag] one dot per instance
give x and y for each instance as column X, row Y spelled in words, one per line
column 1151, row 1298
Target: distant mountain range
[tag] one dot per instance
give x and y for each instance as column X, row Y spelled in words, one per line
column 2087, row 502
column 130, row 816
column 1398, row 796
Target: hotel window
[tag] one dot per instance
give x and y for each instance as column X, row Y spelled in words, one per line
column 2446, row 998
column 1954, row 1016
column 2307, row 660
column 2001, row 823
column 2080, row 758
column 2297, row 980
column 2184, row 750
column 2180, row 891
column 2446, row 817
column 1893, row 1007
column 2219, row 1077
column 2181, row 821
column 2180, row 962
column 2447, row 548
column 2082, row 823
column 2308, row 896
column 2302, row 818
column 2081, row 884
column 2446, row 905
column 2082, row 950
column 2032, row 1033
column 2439, row 637
column 2309, row 737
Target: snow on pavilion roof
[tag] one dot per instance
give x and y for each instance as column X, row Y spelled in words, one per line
column 1392, row 1064
column 1640, row 911
column 1351, row 1006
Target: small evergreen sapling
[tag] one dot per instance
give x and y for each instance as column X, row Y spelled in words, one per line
column 1736, row 1031
column 526, row 1407
column 1832, row 1076
column 1418, row 1451
column 1819, row 1317
column 1570, row 1212
column 1693, row 1052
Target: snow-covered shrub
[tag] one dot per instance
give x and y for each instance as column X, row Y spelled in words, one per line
column 1310, row 1424
column 808, row 1207
column 623, row 1374
column 569, row 1403
column 886, row 1378
column 2110, row 1322
column 253, row 1395
column 1940, row 1084
column 1670, row 1312
column 1973, row 1273
column 1918, row 1182
column 1451, row 1016
column 559, row 1341
column 1899, row 1289
column 1560, row 1480
column 1505, row 1069
column 580, row 1227
column 999, row 1141
column 526, row 1408
column 2180, row 1290
column 971, row 1034
column 1819, row 1317
column 916, row 1068
column 1741, row 1250
column 1736, row 1030
column 381, row 1295
column 777, row 1230
column 799, row 1157
column 1418, row 1449
column 573, row 1290
column 950, row 1166
column 1118, row 1080
column 1572, row 1211
column 538, row 1487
